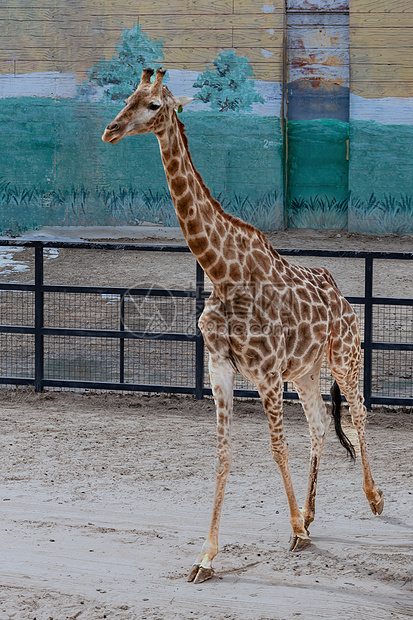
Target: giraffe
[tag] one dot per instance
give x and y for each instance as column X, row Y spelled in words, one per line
column 267, row 319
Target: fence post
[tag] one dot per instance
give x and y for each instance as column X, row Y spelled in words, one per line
column 199, row 344
column 122, row 341
column 368, row 329
column 38, row 318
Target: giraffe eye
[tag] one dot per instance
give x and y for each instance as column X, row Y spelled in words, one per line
column 154, row 106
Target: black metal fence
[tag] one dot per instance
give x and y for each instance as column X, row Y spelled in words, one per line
column 147, row 339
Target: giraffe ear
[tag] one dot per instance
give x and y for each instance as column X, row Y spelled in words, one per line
column 181, row 101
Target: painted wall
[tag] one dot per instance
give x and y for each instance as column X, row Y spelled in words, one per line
column 381, row 116
column 341, row 76
column 65, row 73
column 317, row 113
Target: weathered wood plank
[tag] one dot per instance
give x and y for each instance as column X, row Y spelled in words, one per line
column 7, row 67
column 207, row 54
column 377, row 56
column 194, row 38
column 82, row 27
column 89, row 54
column 263, row 71
column 257, row 6
column 79, row 60
column 111, row 7
column 317, row 19
column 330, row 58
column 381, row 6
column 188, row 22
column 381, row 37
column 382, row 20
column 31, row 30
column 317, row 5
column 315, row 38
column 23, row 13
column 69, row 42
column 325, row 65
column 390, row 73
column 376, row 89
column 260, row 38
column 224, row 37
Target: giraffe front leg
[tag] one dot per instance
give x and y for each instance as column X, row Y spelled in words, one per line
column 222, row 380
column 271, row 395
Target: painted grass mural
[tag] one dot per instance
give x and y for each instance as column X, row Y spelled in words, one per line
column 57, row 171
column 381, row 179
column 317, row 174
column 375, row 195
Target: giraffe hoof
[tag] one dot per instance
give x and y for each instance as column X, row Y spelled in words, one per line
column 199, row 574
column 377, row 507
column 298, row 543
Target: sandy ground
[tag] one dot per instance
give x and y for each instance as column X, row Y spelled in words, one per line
column 105, row 502
column 106, row 498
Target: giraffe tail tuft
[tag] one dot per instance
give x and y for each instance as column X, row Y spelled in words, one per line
column 336, row 413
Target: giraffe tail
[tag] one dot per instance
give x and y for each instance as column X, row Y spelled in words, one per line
column 336, row 413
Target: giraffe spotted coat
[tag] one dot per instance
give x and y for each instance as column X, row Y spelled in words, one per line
column 267, row 319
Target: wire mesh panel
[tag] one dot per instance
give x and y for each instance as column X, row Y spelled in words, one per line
column 81, row 359
column 17, row 308
column 162, row 314
column 393, row 323
column 146, row 337
column 16, row 355
column 81, row 310
column 392, row 373
column 160, row 362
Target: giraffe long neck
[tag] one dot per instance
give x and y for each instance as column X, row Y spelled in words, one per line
column 230, row 251
column 201, row 218
column 208, row 230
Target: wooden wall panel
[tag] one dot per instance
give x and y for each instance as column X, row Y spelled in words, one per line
column 381, row 110
column 380, row 6
column 166, row 23
column 63, row 34
column 381, row 48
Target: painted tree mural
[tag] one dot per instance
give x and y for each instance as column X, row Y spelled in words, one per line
column 136, row 51
column 226, row 86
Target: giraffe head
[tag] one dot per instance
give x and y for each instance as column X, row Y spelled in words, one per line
column 148, row 109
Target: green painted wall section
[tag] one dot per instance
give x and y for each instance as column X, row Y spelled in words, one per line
column 56, row 170
column 381, row 178
column 317, row 173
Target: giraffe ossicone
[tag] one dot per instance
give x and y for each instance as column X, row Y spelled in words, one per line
column 267, row 319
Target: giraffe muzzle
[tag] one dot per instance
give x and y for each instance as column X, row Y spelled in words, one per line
column 111, row 133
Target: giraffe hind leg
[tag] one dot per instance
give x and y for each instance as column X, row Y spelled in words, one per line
column 358, row 415
column 346, row 376
column 318, row 422
column 271, row 395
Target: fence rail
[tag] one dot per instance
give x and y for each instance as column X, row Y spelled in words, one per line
column 123, row 365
